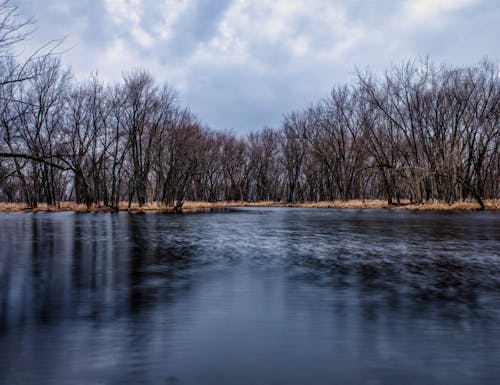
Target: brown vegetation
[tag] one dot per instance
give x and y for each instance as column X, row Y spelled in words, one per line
column 191, row 206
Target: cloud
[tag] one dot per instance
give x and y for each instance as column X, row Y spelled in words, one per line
column 124, row 11
column 128, row 14
column 433, row 12
column 242, row 64
column 275, row 36
column 264, row 55
column 172, row 12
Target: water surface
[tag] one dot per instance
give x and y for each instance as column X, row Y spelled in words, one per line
column 250, row 296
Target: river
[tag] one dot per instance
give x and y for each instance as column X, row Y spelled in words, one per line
column 250, row 296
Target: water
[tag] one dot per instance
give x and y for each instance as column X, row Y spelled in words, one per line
column 250, row 296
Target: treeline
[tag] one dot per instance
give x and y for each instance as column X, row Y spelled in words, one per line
column 417, row 132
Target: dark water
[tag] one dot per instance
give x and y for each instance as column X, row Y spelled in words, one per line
column 250, row 296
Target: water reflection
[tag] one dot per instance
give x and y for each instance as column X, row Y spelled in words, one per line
column 250, row 296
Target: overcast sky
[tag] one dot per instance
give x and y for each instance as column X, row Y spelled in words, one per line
column 242, row 64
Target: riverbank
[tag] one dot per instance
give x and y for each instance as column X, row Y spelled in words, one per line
column 203, row 206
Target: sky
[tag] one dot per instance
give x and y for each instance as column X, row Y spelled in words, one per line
column 241, row 65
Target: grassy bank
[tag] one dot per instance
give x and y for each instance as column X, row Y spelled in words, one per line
column 202, row 206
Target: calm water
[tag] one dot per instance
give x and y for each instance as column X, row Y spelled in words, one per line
column 250, row 296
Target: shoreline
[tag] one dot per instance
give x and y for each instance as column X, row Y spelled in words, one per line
column 189, row 206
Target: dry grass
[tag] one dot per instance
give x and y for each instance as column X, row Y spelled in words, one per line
column 204, row 206
column 63, row 206
column 350, row 204
column 405, row 205
column 462, row 205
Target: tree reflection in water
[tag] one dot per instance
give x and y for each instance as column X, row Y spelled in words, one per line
column 250, row 296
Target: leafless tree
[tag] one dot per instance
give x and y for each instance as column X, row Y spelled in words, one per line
column 418, row 131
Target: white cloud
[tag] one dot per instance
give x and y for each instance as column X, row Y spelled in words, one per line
column 128, row 13
column 118, row 58
column 417, row 12
column 249, row 31
column 124, row 11
column 141, row 36
column 173, row 10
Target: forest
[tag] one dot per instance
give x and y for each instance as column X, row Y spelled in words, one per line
column 420, row 131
